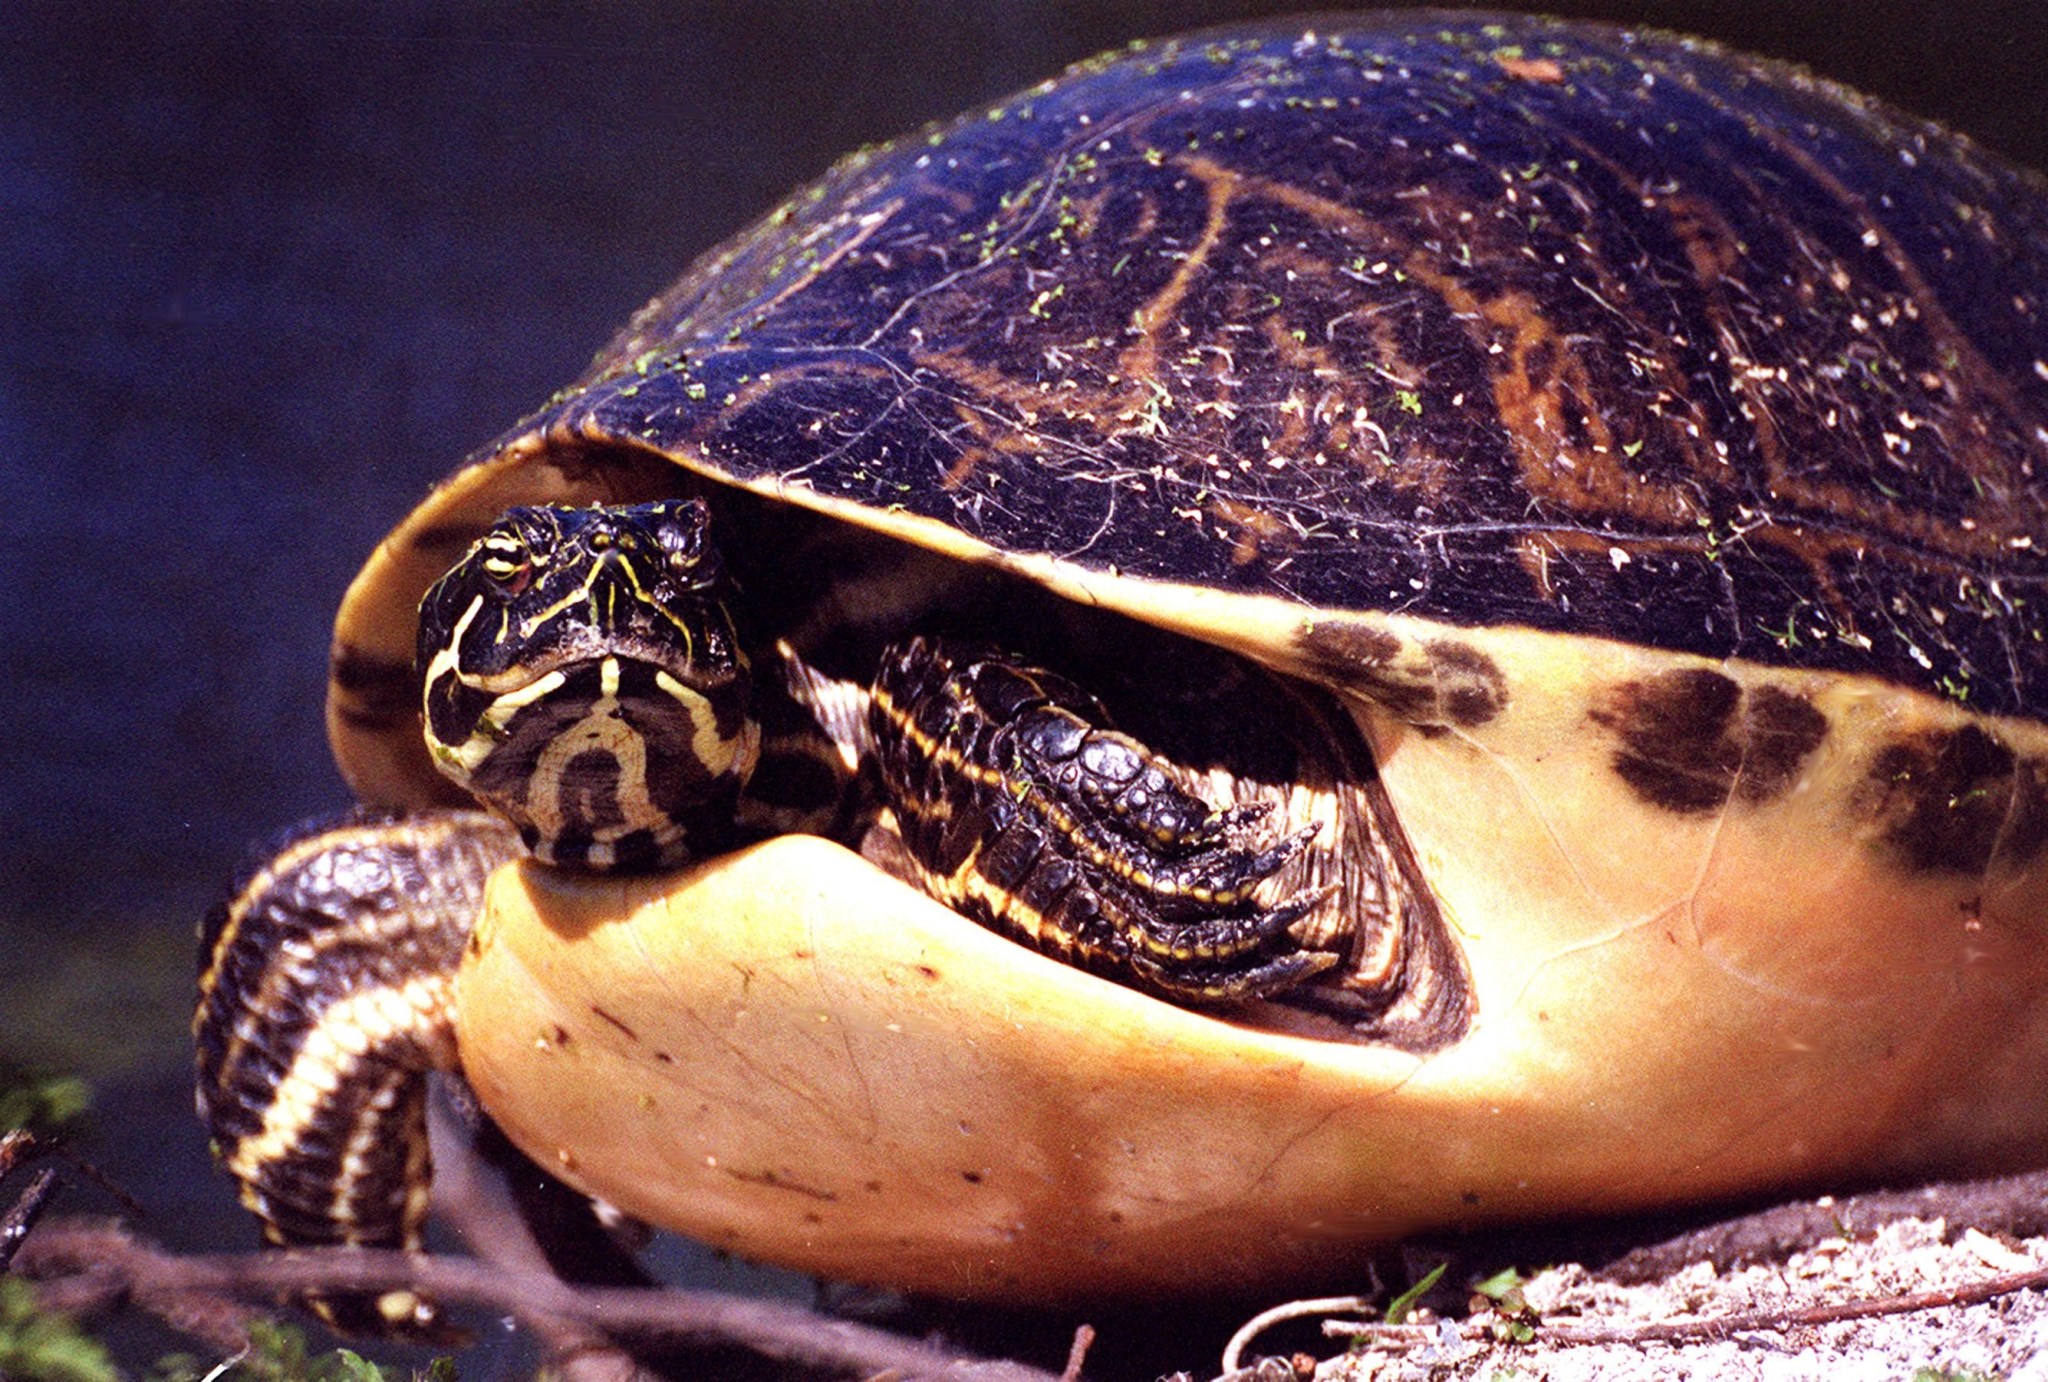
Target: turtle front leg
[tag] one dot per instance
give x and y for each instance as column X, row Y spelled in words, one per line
column 1025, row 810
column 325, row 998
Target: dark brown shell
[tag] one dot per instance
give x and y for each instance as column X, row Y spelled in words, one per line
column 1490, row 320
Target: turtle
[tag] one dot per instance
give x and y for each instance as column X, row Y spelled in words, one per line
column 1298, row 635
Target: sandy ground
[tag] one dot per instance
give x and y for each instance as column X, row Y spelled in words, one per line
column 2005, row 1338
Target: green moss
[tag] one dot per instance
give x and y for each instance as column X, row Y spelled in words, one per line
column 38, row 1346
column 40, row 1104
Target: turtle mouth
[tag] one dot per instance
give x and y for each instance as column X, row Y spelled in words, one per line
column 546, row 671
column 467, row 709
column 662, row 703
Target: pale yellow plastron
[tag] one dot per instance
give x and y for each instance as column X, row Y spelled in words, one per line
column 791, row 1055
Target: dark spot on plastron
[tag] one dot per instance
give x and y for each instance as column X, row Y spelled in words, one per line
column 560, row 1035
column 1448, row 683
column 665, row 1058
column 1470, row 1197
column 1469, row 683
column 1353, row 657
column 600, row 1013
column 927, row 971
column 1676, row 752
column 1950, row 801
column 1780, row 730
column 1692, row 737
column 971, row 1177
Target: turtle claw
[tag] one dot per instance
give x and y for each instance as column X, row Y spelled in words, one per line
column 1225, row 874
column 1243, row 985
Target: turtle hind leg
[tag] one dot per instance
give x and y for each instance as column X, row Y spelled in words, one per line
column 325, row 999
column 1022, row 808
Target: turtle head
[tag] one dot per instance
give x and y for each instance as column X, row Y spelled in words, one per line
column 583, row 678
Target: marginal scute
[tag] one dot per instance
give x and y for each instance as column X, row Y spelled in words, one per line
column 1692, row 738
column 1956, row 801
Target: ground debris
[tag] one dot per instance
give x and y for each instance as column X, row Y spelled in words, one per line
column 2005, row 1337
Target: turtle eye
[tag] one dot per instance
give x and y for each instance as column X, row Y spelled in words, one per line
column 682, row 538
column 508, row 564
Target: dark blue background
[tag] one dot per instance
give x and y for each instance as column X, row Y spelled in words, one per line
column 266, row 270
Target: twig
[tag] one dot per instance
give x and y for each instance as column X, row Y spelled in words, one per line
column 485, row 1211
column 1714, row 1327
column 86, row 1266
column 1077, row 1353
column 1292, row 1310
column 18, row 1148
column 21, row 1216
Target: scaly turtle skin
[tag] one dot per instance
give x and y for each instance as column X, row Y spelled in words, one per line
column 1599, row 470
